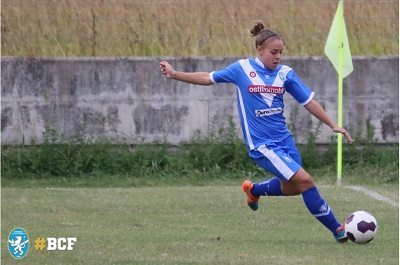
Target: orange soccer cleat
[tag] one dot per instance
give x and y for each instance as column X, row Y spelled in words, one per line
column 252, row 201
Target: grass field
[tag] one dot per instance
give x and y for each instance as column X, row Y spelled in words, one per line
column 193, row 225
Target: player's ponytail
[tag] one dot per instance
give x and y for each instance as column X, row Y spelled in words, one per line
column 261, row 33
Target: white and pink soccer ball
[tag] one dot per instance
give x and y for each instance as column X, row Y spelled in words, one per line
column 361, row 227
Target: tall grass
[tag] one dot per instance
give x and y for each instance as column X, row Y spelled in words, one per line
column 188, row 27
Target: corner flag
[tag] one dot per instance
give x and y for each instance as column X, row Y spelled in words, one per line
column 337, row 50
column 337, row 47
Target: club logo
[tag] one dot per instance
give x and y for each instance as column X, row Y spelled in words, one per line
column 324, row 208
column 252, row 74
column 18, row 243
column 287, row 158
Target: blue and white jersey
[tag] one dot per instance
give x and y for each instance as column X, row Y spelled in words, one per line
column 260, row 98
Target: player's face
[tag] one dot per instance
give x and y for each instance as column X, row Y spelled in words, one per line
column 270, row 52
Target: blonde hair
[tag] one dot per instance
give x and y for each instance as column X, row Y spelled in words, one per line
column 261, row 33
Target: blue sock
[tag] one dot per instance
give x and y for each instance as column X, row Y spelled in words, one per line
column 320, row 209
column 271, row 187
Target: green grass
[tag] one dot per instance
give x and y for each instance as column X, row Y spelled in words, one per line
column 192, row 225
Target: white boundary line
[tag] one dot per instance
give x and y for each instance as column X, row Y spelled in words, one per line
column 374, row 195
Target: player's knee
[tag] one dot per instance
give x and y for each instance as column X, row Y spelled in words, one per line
column 307, row 183
column 303, row 181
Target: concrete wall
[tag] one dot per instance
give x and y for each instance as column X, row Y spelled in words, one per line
column 129, row 101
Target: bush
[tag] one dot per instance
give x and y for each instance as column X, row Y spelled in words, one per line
column 220, row 155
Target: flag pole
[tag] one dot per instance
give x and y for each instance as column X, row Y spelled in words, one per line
column 340, row 116
column 340, row 101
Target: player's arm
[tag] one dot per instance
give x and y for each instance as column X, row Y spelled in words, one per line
column 316, row 109
column 197, row 78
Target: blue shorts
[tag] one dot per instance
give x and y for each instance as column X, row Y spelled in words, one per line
column 281, row 159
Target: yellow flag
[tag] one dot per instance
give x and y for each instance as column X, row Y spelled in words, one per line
column 337, row 47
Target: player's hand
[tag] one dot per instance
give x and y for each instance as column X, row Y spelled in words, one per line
column 344, row 132
column 166, row 69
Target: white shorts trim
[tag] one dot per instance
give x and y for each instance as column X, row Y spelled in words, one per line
column 280, row 165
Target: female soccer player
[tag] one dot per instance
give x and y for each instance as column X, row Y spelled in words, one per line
column 261, row 83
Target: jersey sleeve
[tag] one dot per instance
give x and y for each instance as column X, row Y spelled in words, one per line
column 299, row 91
column 225, row 75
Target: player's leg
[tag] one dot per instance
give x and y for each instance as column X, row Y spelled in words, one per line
column 302, row 183
column 271, row 187
column 282, row 161
column 291, row 179
column 298, row 183
column 278, row 162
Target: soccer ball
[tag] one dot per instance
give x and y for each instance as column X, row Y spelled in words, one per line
column 360, row 227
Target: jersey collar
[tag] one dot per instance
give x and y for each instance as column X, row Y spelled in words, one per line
column 258, row 61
